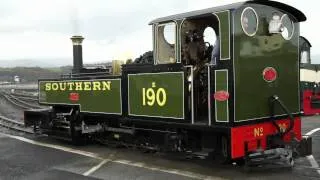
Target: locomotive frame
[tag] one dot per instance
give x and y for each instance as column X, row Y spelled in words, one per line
column 254, row 128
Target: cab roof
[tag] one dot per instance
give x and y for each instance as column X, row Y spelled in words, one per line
column 303, row 39
column 300, row 17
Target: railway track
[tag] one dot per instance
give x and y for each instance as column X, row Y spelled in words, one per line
column 14, row 125
column 24, row 95
column 31, row 99
column 17, row 101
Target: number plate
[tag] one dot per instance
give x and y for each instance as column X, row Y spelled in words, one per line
column 156, row 94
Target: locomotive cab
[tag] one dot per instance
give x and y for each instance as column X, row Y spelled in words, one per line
column 193, row 42
column 251, row 48
column 239, row 75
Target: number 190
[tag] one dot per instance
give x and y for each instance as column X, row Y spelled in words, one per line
column 150, row 97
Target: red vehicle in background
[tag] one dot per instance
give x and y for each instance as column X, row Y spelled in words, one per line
column 309, row 80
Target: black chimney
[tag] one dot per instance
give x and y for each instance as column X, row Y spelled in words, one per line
column 77, row 53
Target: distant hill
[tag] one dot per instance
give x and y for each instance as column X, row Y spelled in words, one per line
column 35, row 63
column 31, row 70
column 32, row 74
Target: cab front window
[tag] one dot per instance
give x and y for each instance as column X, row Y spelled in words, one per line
column 287, row 27
column 166, row 45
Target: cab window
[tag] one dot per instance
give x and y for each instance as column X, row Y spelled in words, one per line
column 304, row 57
column 166, row 46
column 200, row 41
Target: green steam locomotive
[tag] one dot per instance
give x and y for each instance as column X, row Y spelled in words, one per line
column 223, row 80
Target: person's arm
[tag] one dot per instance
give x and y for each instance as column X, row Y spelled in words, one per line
column 215, row 56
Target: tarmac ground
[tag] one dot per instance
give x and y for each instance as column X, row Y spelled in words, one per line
column 42, row 157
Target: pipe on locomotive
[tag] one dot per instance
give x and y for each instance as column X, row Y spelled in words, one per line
column 272, row 101
column 77, row 54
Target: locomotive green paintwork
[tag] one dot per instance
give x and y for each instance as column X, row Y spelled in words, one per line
column 156, row 95
column 150, row 95
column 252, row 55
column 96, row 96
column 221, row 84
column 224, row 22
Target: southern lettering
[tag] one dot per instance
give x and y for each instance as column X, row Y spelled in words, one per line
column 78, row 86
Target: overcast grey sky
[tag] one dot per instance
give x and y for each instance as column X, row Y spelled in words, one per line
column 40, row 29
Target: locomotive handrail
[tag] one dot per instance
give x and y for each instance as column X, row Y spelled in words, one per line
column 192, row 93
column 272, row 101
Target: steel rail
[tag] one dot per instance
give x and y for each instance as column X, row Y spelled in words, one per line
column 24, row 103
column 24, row 95
column 26, row 98
column 14, row 125
column 14, row 102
